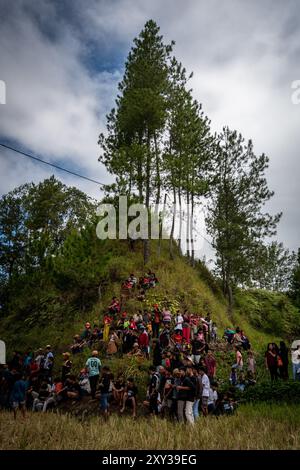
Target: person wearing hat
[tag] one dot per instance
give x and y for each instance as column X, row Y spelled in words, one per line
column 66, row 367
column 93, row 365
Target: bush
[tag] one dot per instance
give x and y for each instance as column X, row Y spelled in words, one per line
column 119, row 268
column 280, row 391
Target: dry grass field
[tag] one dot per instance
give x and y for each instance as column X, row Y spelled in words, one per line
column 260, row 426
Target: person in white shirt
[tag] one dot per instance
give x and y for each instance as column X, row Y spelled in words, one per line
column 205, row 391
column 49, row 357
column 296, row 363
column 178, row 321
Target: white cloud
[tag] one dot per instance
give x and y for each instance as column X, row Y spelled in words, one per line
column 244, row 55
column 54, row 106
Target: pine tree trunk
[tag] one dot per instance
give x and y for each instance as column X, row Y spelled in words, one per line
column 157, row 171
column 180, row 217
column 192, row 231
column 148, row 162
column 161, row 225
column 188, row 225
column 230, row 301
column 173, row 225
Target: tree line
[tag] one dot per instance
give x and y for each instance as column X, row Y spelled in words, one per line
column 159, row 141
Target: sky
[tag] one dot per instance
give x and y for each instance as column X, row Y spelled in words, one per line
column 61, row 62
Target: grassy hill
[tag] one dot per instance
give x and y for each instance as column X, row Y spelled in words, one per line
column 265, row 316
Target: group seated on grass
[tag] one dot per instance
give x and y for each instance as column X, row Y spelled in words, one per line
column 182, row 379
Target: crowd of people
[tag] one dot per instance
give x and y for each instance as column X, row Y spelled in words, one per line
column 182, row 379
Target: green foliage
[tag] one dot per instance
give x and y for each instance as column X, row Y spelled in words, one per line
column 273, row 268
column 295, row 282
column 269, row 311
column 118, row 268
column 279, row 391
column 235, row 219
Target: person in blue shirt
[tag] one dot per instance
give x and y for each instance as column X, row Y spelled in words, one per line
column 93, row 365
column 18, row 396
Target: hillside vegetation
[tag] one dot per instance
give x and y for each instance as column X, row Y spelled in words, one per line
column 60, row 307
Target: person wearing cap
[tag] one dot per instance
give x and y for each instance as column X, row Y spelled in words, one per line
column 93, row 365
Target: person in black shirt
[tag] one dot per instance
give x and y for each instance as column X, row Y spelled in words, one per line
column 283, row 361
column 118, row 389
column 153, row 391
column 186, row 395
column 104, row 386
column 157, row 352
column 130, row 396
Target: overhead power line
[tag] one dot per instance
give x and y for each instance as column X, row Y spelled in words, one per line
column 28, row 155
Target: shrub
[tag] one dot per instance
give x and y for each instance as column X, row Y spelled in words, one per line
column 280, row 391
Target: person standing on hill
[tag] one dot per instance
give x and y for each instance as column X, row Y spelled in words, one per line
column 251, row 364
column 271, row 361
column 156, row 317
column 66, row 367
column 296, row 363
column 205, row 390
column 143, row 341
column 186, row 326
column 239, row 358
column 107, row 322
column 178, row 321
column 283, row 361
column 18, row 395
column 93, row 365
column 105, row 384
column 211, row 365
